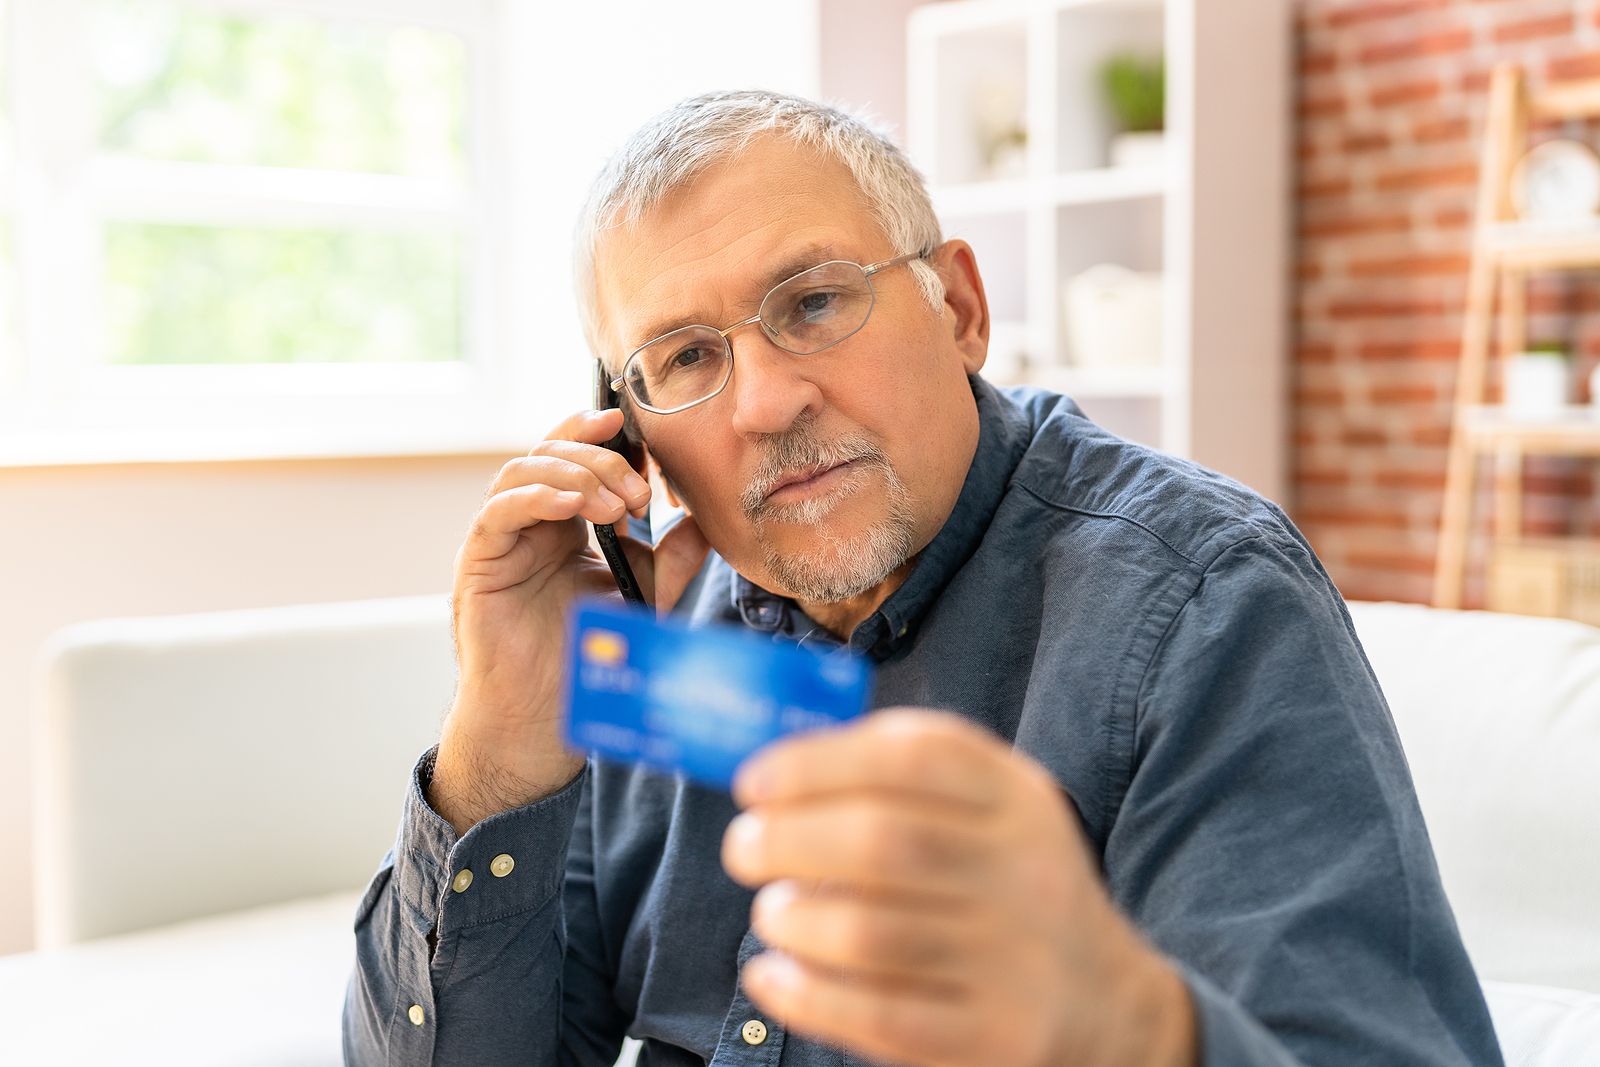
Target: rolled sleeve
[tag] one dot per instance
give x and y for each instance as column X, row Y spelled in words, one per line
column 490, row 992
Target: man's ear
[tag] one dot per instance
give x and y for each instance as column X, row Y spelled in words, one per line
column 966, row 308
column 658, row 478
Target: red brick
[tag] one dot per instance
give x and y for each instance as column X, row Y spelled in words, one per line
column 1310, row 352
column 1365, row 141
column 1430, row 435
column 1429, row 177
column 1388, row 520
column 1566, row 68
column 1380, row 9
column 1324, row 187
column 1320, row 107
column 1404, row 93
column 1354, row 224
column 1420, row 393
column 1317, row 63
column 1363, row 436
column 1433, row 348
column 1410, row 562
column 1545, row 26
column 1455, row 265
column 1374, row 308
column 1452, row 218
column 1307, row 396
column 1410, row 479
column 1307, row 271
column 1414, row 46
column 1430, row 131
column 1322, row 476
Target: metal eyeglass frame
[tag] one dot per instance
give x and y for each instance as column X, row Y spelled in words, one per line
column 869, row 270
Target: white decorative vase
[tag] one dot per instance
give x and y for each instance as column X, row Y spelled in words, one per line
column 1146, row 149
column 1536, row 383
column 1112, row 317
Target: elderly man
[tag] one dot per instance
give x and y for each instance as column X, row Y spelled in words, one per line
column 1132, row 795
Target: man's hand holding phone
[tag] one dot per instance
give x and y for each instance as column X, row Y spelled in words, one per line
column 526, row 558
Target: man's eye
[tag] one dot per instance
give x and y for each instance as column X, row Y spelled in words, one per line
column 687, row 358
column 816, row 304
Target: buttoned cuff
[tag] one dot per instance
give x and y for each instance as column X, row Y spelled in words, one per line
column 509, row 863
column 1229, row 1036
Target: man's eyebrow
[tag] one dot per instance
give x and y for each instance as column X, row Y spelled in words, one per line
column 793, row 263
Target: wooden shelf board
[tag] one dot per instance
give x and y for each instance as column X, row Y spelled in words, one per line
column 1104, row 184
column 1573, row 430
column 1543, row 245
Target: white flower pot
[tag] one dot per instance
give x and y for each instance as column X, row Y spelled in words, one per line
column 1112, row 317
column 1148, row 149
column 1536, row 383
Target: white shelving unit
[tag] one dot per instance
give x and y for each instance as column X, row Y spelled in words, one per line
column 1212, row 216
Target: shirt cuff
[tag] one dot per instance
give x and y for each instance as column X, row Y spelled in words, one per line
column 517, row 858
column 1228, row 1035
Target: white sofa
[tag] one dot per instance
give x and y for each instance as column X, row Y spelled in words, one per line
column 214, row 790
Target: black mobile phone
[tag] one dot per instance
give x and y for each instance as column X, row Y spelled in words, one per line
column 605, row 533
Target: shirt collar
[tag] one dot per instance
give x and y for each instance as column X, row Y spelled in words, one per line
column 1003, row 436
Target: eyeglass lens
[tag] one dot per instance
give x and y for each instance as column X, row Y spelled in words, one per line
column 807, row 313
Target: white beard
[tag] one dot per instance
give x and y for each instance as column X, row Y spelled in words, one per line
column 837, row 568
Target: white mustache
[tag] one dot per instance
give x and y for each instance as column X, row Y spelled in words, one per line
column 798, row 450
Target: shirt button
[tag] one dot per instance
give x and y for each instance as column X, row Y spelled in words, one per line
column 463, row 879
column 501, row 865
column 754, row 1032
column 415, row 1014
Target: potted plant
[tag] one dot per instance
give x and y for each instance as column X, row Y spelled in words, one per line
column 1135, row 89
column 1536, row 379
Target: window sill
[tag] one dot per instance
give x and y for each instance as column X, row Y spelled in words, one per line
column 81, row 449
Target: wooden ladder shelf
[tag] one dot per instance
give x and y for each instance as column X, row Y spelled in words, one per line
column 1504, row 252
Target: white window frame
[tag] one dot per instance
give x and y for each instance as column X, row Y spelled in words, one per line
column 60, row 403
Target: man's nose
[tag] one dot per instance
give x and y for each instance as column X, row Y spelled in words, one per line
column 770, row 387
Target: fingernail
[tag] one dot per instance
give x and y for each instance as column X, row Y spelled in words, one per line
column 610, row 499
column 770, row 971
column 772, row 898
column 635, row 485
column 744, row 835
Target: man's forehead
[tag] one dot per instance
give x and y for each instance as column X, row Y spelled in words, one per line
column 717, row 245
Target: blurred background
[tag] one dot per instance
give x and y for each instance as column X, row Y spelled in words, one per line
column 283, row 284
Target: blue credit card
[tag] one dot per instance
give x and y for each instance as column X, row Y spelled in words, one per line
column 697, row 699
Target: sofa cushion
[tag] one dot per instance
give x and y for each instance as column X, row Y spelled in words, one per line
column 1543, row 1027
column 257, row 988
column 1500, row 719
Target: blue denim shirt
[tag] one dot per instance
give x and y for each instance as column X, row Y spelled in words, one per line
column 1159, row 637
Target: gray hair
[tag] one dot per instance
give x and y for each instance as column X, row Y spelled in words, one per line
column 673, row 147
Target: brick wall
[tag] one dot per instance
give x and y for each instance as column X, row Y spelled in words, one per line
column 1391, row 102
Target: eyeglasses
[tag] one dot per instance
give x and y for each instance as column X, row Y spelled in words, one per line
column 813, row 310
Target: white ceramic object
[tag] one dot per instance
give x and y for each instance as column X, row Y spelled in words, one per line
column 1536, row 383
column 1145, row 149
column 1112, row 317
column 1557, row 180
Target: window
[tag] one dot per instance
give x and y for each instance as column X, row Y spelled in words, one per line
column 262, row 220
column 317, row 227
